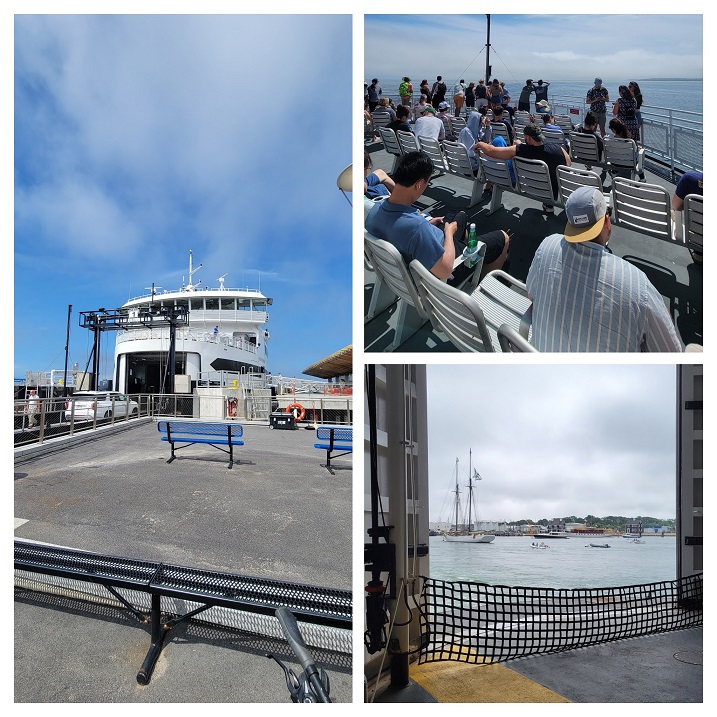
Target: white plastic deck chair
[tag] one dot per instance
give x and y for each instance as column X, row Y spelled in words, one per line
column 570, row 178
column 693, row 225
column 378, row 120
column 553, row 136
column 497, row 173
column 512, row 342
column 381, row 295
column 391, row 145
column 565, row 123
column 408, row 141
column 500, row 130
column 471, row 321
column 584, row 148
column 458, row 124
column 642, row 207
column 623, row 157
column 459, row 164
column 533, row 179
column 389, row 265
column 432, row 147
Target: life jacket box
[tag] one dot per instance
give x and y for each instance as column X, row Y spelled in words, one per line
column 282, row 420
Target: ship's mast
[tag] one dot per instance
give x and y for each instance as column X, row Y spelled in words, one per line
column 457, row 491
column 470, row 485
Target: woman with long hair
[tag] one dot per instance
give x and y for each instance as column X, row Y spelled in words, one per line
column 637, row 94
column 625, row 109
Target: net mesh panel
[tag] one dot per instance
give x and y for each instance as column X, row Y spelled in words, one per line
column 82, row 575
column 480, row 623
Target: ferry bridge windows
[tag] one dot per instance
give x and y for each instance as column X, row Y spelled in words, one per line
column 196, row 304
column 244, row 304
column 211, row 304
column 260, row 305
column 226, row 304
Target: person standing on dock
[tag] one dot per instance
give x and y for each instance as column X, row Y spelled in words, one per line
column 587, row 299
column 597, row 97
column 33, row 408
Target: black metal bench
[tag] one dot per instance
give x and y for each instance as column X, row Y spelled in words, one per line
column 213, row 434
column 200, row 589
column 334, row 438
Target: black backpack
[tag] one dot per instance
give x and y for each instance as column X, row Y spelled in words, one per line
column 629, row 113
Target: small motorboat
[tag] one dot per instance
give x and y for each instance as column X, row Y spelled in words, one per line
column 536, row 544
column 598, row 545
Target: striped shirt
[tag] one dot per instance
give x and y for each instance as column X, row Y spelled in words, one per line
column 587, row 299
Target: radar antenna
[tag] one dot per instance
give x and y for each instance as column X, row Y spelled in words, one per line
column 221, row 282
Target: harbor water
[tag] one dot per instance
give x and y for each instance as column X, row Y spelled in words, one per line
column 566, row 563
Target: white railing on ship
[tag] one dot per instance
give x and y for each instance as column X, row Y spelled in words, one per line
column 188, row 335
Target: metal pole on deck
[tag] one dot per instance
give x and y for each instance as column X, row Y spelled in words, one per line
column 487, row 53
column 67, row 350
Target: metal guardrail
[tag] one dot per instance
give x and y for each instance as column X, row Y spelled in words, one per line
column 483, row 624
column 170, row 587
column 53, row 420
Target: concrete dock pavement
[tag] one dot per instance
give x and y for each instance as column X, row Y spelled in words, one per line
column 276, row 514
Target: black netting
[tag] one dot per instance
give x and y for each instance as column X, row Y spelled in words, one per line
column 480, row 623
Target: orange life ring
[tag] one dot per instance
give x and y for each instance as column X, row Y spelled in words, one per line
column 299, row 409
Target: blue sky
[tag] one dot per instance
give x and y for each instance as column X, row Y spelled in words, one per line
column 557, row 439
column 560, row 47
column 140, row 137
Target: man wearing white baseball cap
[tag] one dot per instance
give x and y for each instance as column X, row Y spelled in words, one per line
column 587, row 299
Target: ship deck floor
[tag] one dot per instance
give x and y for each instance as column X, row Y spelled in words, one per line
column 276, row 514
column 651, row 669
column 668, row 265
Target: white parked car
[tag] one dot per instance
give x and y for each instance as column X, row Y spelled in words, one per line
column 103, row 404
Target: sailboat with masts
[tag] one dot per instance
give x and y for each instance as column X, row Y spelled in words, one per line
column 462, row 533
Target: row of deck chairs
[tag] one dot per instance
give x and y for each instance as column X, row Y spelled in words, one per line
column 642, row 207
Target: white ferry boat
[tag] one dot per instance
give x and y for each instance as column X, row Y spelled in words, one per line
column 224, row 332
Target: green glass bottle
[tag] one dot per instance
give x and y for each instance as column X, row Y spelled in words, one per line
column 472, row 244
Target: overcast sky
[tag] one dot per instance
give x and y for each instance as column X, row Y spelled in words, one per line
column 559, row 47
column 554, row 440
column 140, row 137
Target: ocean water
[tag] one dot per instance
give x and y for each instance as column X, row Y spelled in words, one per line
column 565, row 564
column 675, row 94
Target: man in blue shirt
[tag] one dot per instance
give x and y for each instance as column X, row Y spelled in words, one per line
column 434, row 242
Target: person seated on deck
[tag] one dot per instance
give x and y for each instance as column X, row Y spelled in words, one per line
column 689, row 183
column 400, row 124
column 428, row 125
column 419, row 107
column 376, row 182
column 477, row 128
column 620, row 130
column 542, row 107
column 444, row 114
column 589, row 126
column 434, row 242
column 383, row 108
column 499, row 116
column 587, row 299
column 533, row 148
column 549, row 123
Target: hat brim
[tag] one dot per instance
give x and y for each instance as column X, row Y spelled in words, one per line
column 586, row 233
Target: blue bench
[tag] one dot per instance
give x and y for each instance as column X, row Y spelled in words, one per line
column 333, row 439
column 213, row 434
